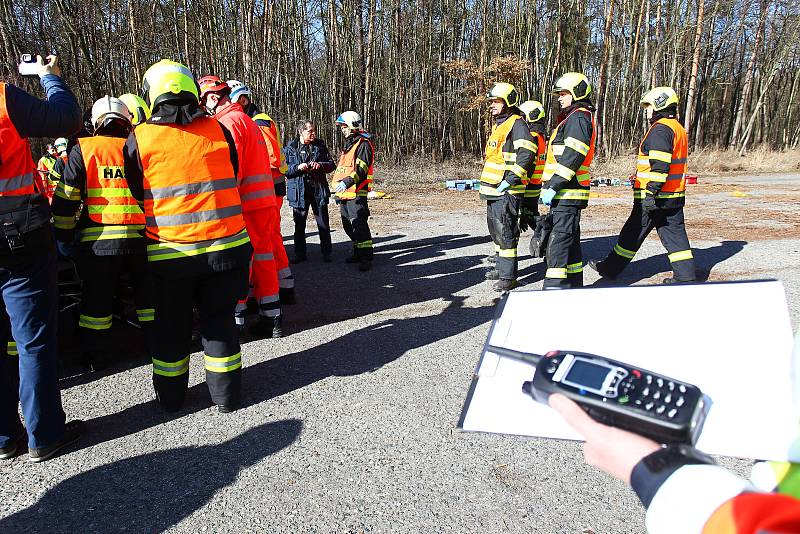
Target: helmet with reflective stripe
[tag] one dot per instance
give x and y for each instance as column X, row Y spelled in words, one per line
column 107, row 109
column 138, row 108
column 212, row 84
column 575, row 84
column 238, row 89
column 60, row 144
column 168, row 81
column 533, row 110
column 505, row 92
column 660, row 98
column 351, row 119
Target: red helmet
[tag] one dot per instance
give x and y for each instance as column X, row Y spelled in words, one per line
column 212, row 84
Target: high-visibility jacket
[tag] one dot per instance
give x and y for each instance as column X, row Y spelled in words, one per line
column 575, row 191
column 16, row 160
column 346, row 168
column 277, row 161
column 44, row 183
column 500, row 157
column 670, row 187
column 535, row 180
column 190, row 189
column 256, row 186
column 108, row 198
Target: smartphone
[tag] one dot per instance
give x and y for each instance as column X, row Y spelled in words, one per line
column 28, row 65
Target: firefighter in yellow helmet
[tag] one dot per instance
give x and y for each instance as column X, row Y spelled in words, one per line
column 659, row 192
column 534, row 114
column 138, row 109
column 182, row 166
column 510, row 157
column 566, row 180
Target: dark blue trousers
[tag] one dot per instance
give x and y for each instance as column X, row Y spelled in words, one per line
column 29, row 288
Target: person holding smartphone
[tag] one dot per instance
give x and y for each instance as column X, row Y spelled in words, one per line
column 28, row 265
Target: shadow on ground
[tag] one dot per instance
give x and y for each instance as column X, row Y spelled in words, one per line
column 152, row 492
column 357, row 349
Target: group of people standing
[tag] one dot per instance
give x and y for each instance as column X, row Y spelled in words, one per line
column 522, row 169
column 179, row 188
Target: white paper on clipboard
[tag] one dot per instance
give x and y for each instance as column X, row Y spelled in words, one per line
column 733, row 340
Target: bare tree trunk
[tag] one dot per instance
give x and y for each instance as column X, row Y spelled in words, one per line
column 690, row 97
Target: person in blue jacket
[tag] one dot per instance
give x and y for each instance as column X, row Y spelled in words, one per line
column 28, row 267
column 308, row 161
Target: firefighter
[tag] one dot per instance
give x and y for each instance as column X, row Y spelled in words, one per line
column 138, row 109
column 351, row 182
column 93, row 199
column 566, row 180
column 182, row 164
column 258, row 204
column 510, row 157
column 533, row 111
column 28, row 266
column 241, row 94
column 659, row 192
column 44, row 167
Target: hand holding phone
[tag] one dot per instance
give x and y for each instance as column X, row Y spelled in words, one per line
column 31, row 65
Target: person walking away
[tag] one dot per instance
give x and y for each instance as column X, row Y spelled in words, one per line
column 182, row 164
column 308, row 161
column 352, row 181
column 510, row 158
column 258, row 204
column 659, row 193
column 567, row 180
column 93, row 200
column 28, row 266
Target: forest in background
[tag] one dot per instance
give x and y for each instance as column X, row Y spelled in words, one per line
column 417, row 70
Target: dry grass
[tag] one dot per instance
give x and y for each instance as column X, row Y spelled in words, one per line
column 419, row 173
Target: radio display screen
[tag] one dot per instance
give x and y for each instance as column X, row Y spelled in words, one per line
column 587, row 375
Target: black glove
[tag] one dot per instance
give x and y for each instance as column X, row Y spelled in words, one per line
column 526, row 219
column 649, row 203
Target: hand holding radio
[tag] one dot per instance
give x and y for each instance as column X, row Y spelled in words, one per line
column 613, row 450
column 34, row 65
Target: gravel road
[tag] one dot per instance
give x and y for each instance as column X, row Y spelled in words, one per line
column 348, row 423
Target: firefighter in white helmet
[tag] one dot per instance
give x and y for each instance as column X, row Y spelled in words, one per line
column 509, row 161
column 659, row 192
column 351, row 182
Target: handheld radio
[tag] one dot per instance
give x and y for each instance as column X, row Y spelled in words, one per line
column 617, row 394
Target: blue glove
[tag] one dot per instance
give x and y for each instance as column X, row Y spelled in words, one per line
column 502, row 186
column 547, row 196
column 341, row 187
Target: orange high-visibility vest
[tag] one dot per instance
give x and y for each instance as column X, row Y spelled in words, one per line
column 16, row 160
column 277, row 160
column 675, row 180
column 190, row 190
column 108, row 198
column 535, row 181
column 347, row 168
column 582, row 175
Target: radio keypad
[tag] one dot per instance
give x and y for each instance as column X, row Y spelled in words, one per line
column 657, row 395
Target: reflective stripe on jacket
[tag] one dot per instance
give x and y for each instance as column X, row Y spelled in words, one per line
column 575, row 191
column 535, row 183
column 108, row 198
column 500, row 158
column 16, row 160
column 190, row 191
column 672, row 183
column 346, row 168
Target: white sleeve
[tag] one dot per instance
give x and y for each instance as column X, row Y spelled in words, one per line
column 686, row 500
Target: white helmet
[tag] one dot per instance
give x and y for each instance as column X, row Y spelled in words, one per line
column 351, row 119
column 109, row 107
column 60, row 144
column 238, row 89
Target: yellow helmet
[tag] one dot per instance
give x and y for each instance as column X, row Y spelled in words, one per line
column 505, row 92
column 660, row 98
column 533, row 110
column 139, row 109
column 168, row 81
column 575, row 84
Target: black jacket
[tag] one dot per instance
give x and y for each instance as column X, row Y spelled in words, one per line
column 298, row 182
